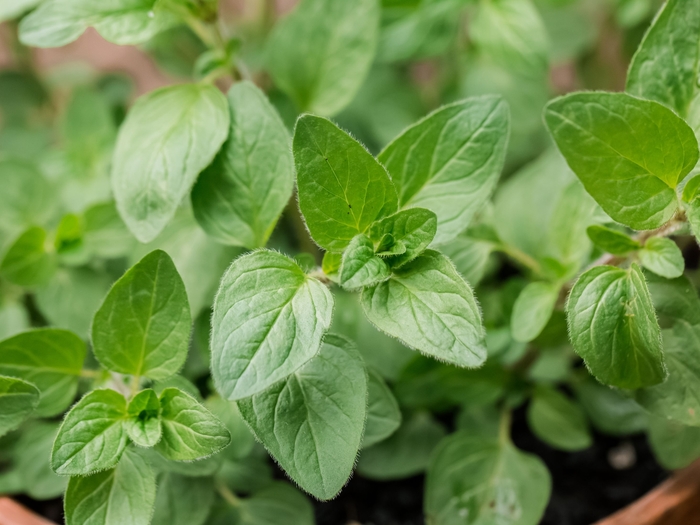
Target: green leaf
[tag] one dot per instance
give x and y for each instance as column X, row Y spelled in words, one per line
column 383, row 414
column 18, row 399
column 278, row 504
column 406, row 453
column 428, row 306
column 242, row 440
column 31, row 454
column 190, row 431
column 238, row 199
column 674, row 300
column 169, row 136
column 614, row 329
column 611, row 140
column 51, row 360
column 92, row 436
column 143, row 325
column 105, row 234
column 663, row 257
column 612, row 241
column 10, row 10
column 331, row 263
column 487, row 480
column 27, row 262
column 471, row 256
column 532, row 310
column 312, row 422
column 342, row 188
column 414, row 229
column 360, row 266
column 56, row 23
column 124, row 495
column 269, row 319
column 450, row 161
column 321, row 53
column 558, row 421
column 609, row 410
column 665, row 66
column 14, row 318
column 179, row 501
column 674, row 445
column 143, row 423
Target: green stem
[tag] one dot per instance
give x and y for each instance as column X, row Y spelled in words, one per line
column 504, row 426
column 522, row 258
column 228, row 495
column 135, row 385
column 91, row 374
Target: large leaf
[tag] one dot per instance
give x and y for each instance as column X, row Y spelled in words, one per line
column 179, row 501
column 143, row 325
column 613, row 327
column 450, row 161
column 269, row 318
column 320, row 54
column 92, row 436
column 238, row 199
column 342, row 188
column 429, row 307
column 124, row 495
column 629, row 153
column 167, row 139
column 487, row 480
column 49, row 359
column 30, row 457
column 610, row 410
column 312, row 422
column 18, row 399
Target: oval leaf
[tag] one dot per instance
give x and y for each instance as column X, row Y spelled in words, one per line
column 383, row 414
column 360, row 266
column 532, row 310
column 18, row 399
column 143, row 423
column 663, row 257
column 558, row 421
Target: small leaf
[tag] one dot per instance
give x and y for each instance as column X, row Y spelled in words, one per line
column 26, row 262
column 331, row 263
column 411, row 231
column 18, row 399
column 663, row 257
column 558, row 421
column 179, row 501
column 278, row 504
column 674, row 444
column 629, row 153
column 532, row 310
column 360, row 266
column 269, row 319
column 487, row 480
column 383, row 414
column 169, row 136
column 190, row 431
column 312, row 422
column 450, row 161
column 49, row 359
column 612, row 241
column 143, row 423
column 321, row 53
column 428, row 306
column 614, row 329
column 239, row 197
column 342, row 188
column 105, row 234
column 124, row 495
column 92, row 436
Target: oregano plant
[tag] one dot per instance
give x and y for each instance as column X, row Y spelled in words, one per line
column 349, row 240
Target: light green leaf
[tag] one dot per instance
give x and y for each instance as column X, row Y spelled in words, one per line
column 143, row 325
column 194, row 469
column 143, row 422
column 31, row 453
column 470, row 255
column 10, row 10
column 331, row 263
column 450, row 161
column 406, row 453
column 56, row 23
column 269, row 319
column 239, row 197
column 180, row 501
column 278, row 504
column 611, row 141
column 124, row 495
column 18, row 399
column 663, row 257
column 321, row 53
column 613, row 327
column 428, row 306
column 105, row 234
column 532, row 310
column 383, row 414
column 14, row 318
column 92, row 436
column 665, row 66
column 27, row 262
column 612, row 241
column 48, row 358
column 414, row 229
column 190, row 431
column 674, row 300
column 242, row 440
column 558, row 421
column 487, row 480
column 169, row 136
column 360, row 266
column 674, row 445
column 312, row 422
column 342, row 188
